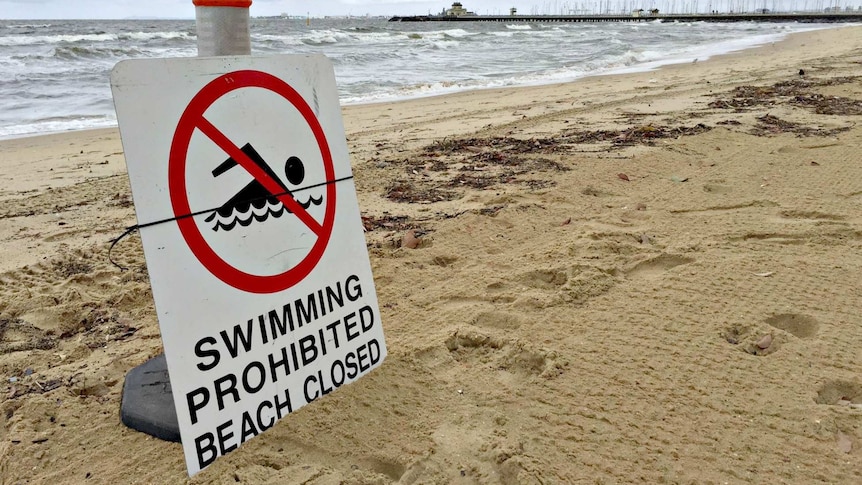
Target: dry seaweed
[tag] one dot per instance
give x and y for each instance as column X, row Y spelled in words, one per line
column 486, row 181
column 829, row 105
column 536, row 184
column 772, row 125
column 480, row 181
column 796, row 92
column 496, row 157
column 70, row 266
column 500, row 150
column 483, row 163
column 524, row 164
column 490, row 211
column 438, row 166
column 635, row 135
column 17, row 335
column 408, row 192
column 388, row 222
column 506, row 144
column 746, row 97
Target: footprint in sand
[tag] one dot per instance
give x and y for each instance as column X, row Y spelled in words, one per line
column 545, row 278
column 801, row 326
column 655, row 267
column 751, row 340
column 846, row 394
column 514, row 357
column 443, row 261
column 498, row 320
column 761, row 342
column 839, row 392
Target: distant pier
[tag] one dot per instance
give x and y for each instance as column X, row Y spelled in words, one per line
column 723, row 17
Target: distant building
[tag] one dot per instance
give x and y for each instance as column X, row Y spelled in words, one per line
column 458, row 10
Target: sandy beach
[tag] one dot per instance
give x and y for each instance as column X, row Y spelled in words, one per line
column 648, row 277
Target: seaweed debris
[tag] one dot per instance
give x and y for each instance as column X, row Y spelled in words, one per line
column 772, row 125
column 388, row 222
column 500, row 149
column 796, row 92
column 635, row 135
column 405, row 191
column 829, row 105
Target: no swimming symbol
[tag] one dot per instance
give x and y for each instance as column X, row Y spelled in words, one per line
column 264, row 197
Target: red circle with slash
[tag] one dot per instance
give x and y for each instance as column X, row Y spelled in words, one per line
column 193, row 119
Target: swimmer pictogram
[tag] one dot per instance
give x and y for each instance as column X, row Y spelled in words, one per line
column 254, row 203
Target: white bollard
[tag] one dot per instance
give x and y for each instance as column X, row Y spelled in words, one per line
column 222, row 27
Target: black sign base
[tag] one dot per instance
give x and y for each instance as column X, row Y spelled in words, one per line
column 148, row 404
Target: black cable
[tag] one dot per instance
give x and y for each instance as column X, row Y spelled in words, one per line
column 131, row 229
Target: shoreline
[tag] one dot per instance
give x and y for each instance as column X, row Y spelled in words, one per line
column 584, row 249
column 646, row 66
column 361, row 117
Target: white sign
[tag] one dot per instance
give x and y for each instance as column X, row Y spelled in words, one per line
column 253, row 238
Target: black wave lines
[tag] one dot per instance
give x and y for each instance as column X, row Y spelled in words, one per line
column 246, row 212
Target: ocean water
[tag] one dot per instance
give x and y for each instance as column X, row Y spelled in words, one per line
column 56, row 73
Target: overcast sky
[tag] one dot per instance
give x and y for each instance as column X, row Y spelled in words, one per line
column 76, row 9
column 119, row 9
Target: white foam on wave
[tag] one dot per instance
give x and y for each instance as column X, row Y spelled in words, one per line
column 330, row 37
column 30, row 26
column 445, row 44
column 56, row 126
column 327, row 36
column 413, row 91
column 145, row 36
column 458, row 33
column 21, row 40
column 287, row 40
column 324, row 37
column 651, row 60
column 24, row 40
column 377, row 37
